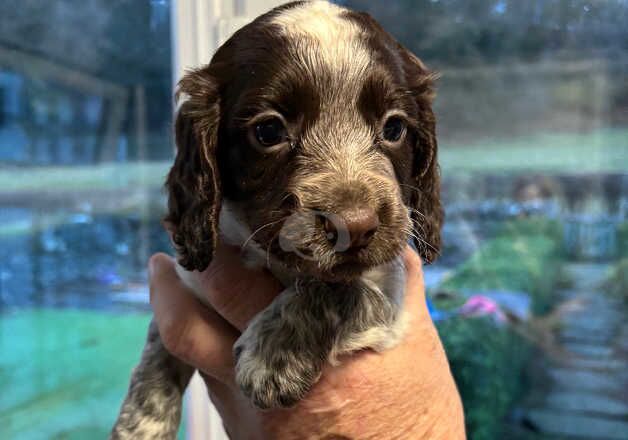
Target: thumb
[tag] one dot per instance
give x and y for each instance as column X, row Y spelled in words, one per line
column 161, row 270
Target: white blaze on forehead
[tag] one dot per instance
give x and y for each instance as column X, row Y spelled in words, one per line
column 338, row 38
column 326, row 41
column 318, row 19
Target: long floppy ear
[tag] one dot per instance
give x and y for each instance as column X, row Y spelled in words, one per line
column 427, row 211
column 193, row 183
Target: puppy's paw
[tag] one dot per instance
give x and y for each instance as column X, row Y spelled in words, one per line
column 273, row 380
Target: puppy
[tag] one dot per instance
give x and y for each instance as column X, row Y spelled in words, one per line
column 309, row 140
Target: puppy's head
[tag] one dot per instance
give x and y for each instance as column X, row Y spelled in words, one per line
column 317, row 125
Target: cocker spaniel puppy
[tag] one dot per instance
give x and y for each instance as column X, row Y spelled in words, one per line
column 309, row 140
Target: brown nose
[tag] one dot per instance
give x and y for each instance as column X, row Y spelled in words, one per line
column 352, row 229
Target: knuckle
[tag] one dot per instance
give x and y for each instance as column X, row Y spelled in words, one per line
column 177, row 339
column 413, row 266
column 412, row 260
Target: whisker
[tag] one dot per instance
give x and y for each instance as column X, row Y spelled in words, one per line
column 416, row 211
column 246, row 242
column 428, row 245
column 420, row 239
column 287, row 196
column 270, row 243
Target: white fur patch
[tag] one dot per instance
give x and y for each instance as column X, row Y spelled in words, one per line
column 379, row 338
column 235, row 232
column 318, row 19
column 338, row 40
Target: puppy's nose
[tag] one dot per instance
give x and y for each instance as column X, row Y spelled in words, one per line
column 361, row 225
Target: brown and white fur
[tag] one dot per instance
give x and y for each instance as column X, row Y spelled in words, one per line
column 328, row 208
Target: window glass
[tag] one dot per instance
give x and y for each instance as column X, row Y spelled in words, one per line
column 85, row 142
column 530, row 291
column 529, row 294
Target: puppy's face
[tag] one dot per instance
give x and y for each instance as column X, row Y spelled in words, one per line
column 317, row 126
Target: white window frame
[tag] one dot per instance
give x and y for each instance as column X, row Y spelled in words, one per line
column 198, row 28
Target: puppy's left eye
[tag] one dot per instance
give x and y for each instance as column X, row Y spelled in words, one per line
column 270, row 132
column 394, row 129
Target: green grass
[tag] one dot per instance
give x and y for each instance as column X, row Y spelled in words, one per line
column 107, row 176
column 603, row 150
column 18, row 227
column 63, row 373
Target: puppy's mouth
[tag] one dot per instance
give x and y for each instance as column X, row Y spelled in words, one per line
column 336, row 246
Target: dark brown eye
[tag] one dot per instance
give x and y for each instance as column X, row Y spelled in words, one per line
column 394, row 129
column 270, row 132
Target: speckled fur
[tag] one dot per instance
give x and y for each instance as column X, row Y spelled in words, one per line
column 152, row 407
column 281, row 353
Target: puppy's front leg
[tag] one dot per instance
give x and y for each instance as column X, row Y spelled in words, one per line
column 281, row 353
column 152, row 406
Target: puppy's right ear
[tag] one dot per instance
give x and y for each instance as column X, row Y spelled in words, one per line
column 193, row 183
column 427, row 209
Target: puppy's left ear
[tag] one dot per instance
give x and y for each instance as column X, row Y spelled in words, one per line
column 193, row 183
column 427, row 211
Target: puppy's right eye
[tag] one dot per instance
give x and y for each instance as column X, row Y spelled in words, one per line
column 393, row 129
column 271, row 132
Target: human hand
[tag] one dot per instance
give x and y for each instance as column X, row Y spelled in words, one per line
column 406, row 392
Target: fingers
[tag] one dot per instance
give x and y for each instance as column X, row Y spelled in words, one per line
column 190, row 331
column 236, row 292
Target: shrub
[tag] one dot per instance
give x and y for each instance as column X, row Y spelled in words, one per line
column 524, row 256
column 488, row 360
column 487, row 364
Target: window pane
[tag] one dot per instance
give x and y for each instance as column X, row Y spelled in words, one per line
column 85, row 142
column 532, row 112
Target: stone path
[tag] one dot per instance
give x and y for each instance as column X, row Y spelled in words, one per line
column 585, row 395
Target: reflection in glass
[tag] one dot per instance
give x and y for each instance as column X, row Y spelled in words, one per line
column 85, row 141
column 529, row 294
column 530, row 291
